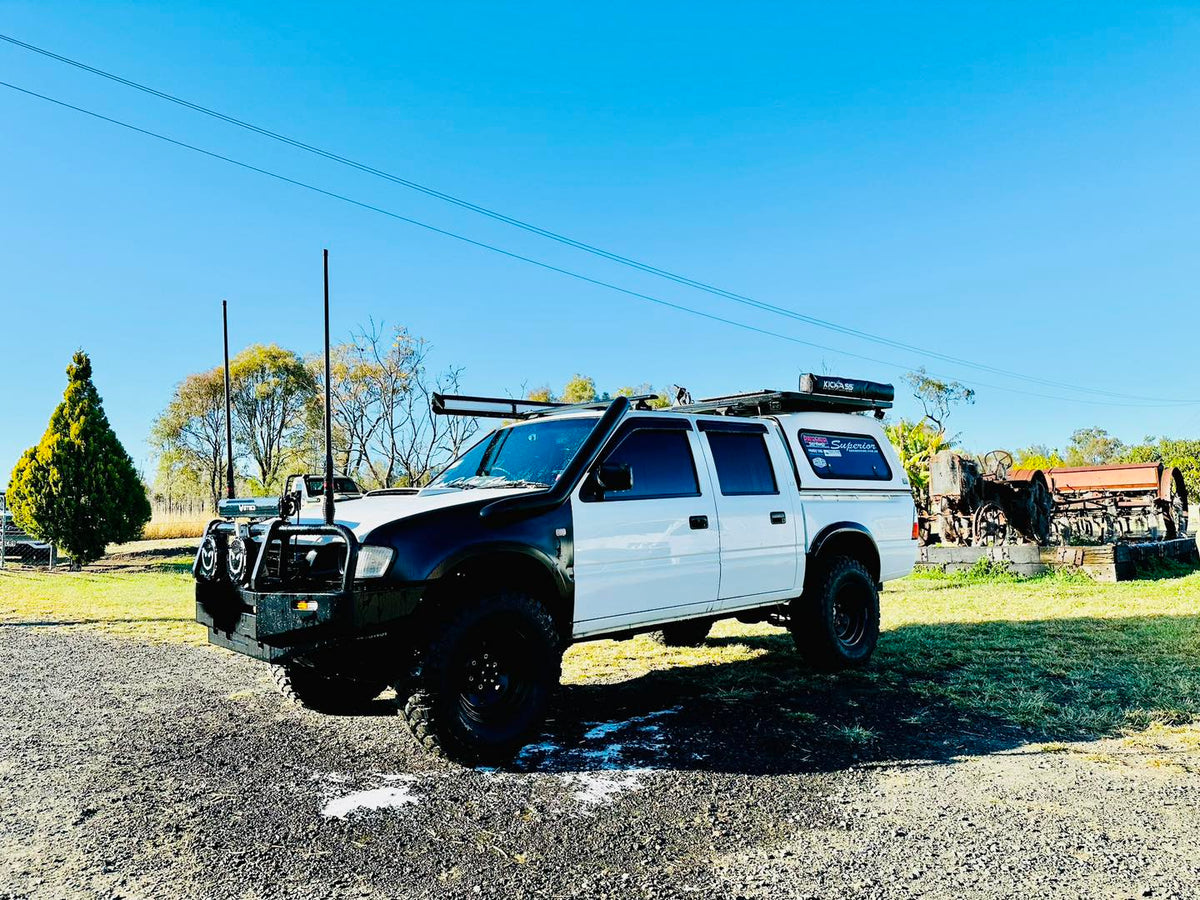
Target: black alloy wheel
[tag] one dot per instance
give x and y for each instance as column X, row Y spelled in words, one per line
column 497, row 678
column 851, row 612
column 483, row 680
column 835, row 622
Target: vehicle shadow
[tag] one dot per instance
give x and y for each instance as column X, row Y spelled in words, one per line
column 931, row 693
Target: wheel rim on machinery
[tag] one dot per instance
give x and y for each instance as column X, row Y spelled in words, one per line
column 991, row 525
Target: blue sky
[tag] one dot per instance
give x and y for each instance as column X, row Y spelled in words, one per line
column 1012, row 184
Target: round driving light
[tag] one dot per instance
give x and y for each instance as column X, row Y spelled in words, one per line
column 236, row 559
column 208, row 562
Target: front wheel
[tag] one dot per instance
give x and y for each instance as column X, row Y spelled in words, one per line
column 835, row 624
column 322, row 691
column 482, row 683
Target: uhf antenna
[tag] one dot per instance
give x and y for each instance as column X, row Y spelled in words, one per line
column 328, row 499
column 228, row 415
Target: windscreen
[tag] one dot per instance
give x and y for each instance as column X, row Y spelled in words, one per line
column 316, row 486
column 531, row 454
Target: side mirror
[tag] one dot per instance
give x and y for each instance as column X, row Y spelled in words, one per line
column 614, row 477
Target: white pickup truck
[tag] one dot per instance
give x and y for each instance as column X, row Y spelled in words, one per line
column 571, row 523
column 300, row 491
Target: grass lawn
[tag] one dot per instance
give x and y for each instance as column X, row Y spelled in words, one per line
column 1055, row 656
column 158, row 604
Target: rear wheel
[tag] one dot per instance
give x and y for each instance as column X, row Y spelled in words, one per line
column 482, row 683
column 690, row 633
column 322, row 691
column 835, row 624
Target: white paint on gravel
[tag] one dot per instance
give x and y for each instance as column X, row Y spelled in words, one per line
column 394, row 792
column 612, row 746
column 590, row 789
column 611, row 758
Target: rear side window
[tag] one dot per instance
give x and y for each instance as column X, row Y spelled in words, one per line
column 661, row 462
column 743, row 463
column 850, row 456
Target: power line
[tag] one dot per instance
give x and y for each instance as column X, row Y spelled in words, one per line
column 572, row 242
column 519, row 257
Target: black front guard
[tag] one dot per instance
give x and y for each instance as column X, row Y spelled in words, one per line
column 272, row 620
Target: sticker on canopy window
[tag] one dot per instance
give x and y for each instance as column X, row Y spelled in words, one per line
column 850, row 456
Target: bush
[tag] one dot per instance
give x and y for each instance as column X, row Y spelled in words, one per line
column 78, row 488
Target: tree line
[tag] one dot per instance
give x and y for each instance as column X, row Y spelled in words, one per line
column 917, row 441
column 384, row 431
column 1094, row 446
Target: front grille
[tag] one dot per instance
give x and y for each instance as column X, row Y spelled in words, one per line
column 272, row 558
column 291, row 566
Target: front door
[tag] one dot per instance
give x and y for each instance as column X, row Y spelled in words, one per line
column 650, row 553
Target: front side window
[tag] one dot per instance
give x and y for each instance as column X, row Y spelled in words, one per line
column 743, row 463
column 661, row 462
column 532, row 454
column 848, row 456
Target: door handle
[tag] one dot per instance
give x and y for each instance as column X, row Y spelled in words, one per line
column 698, row 522
column 778, row 518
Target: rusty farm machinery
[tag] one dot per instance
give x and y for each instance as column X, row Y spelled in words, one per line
column 973, row 503
column 985, row 502
column 1110, row 504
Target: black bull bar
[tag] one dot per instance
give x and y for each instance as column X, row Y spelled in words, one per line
column 271, row 619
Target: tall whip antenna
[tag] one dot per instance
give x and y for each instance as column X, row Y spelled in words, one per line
column 328, row 499
column 228, row 415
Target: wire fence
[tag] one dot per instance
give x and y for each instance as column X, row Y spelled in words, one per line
column 20, row 549
column 172, row 517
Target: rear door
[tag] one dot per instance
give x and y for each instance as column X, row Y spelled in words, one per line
column 755, row 509
column 649, row 554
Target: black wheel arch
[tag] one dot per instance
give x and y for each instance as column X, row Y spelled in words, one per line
column 508, row 564
column 844, row 539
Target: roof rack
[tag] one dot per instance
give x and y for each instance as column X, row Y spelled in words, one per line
column 827, row 393
column 817, row 392
column 508, row 408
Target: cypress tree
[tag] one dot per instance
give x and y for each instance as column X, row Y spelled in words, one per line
column 78, row 487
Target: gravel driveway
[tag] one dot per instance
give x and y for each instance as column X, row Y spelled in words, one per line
column 137, row 770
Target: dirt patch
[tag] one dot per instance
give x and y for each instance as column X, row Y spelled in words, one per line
column 143, row 556
column 137, row 556
column 138, row 770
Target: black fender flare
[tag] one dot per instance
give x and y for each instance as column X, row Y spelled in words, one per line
column 483, row 549
column 839, row 530
column 561, row 605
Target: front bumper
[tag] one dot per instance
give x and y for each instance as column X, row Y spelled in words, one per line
column 270, row 627
column 271, row 614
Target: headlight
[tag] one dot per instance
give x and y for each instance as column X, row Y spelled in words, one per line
column 236, row 559
column 208, row 561
column 373, row 562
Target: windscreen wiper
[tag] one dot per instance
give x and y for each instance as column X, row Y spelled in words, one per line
column 462, row 484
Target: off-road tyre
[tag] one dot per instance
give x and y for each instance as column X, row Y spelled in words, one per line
column 483, row 680
column 835, row 623
column 688, row 633
column 324, row 692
